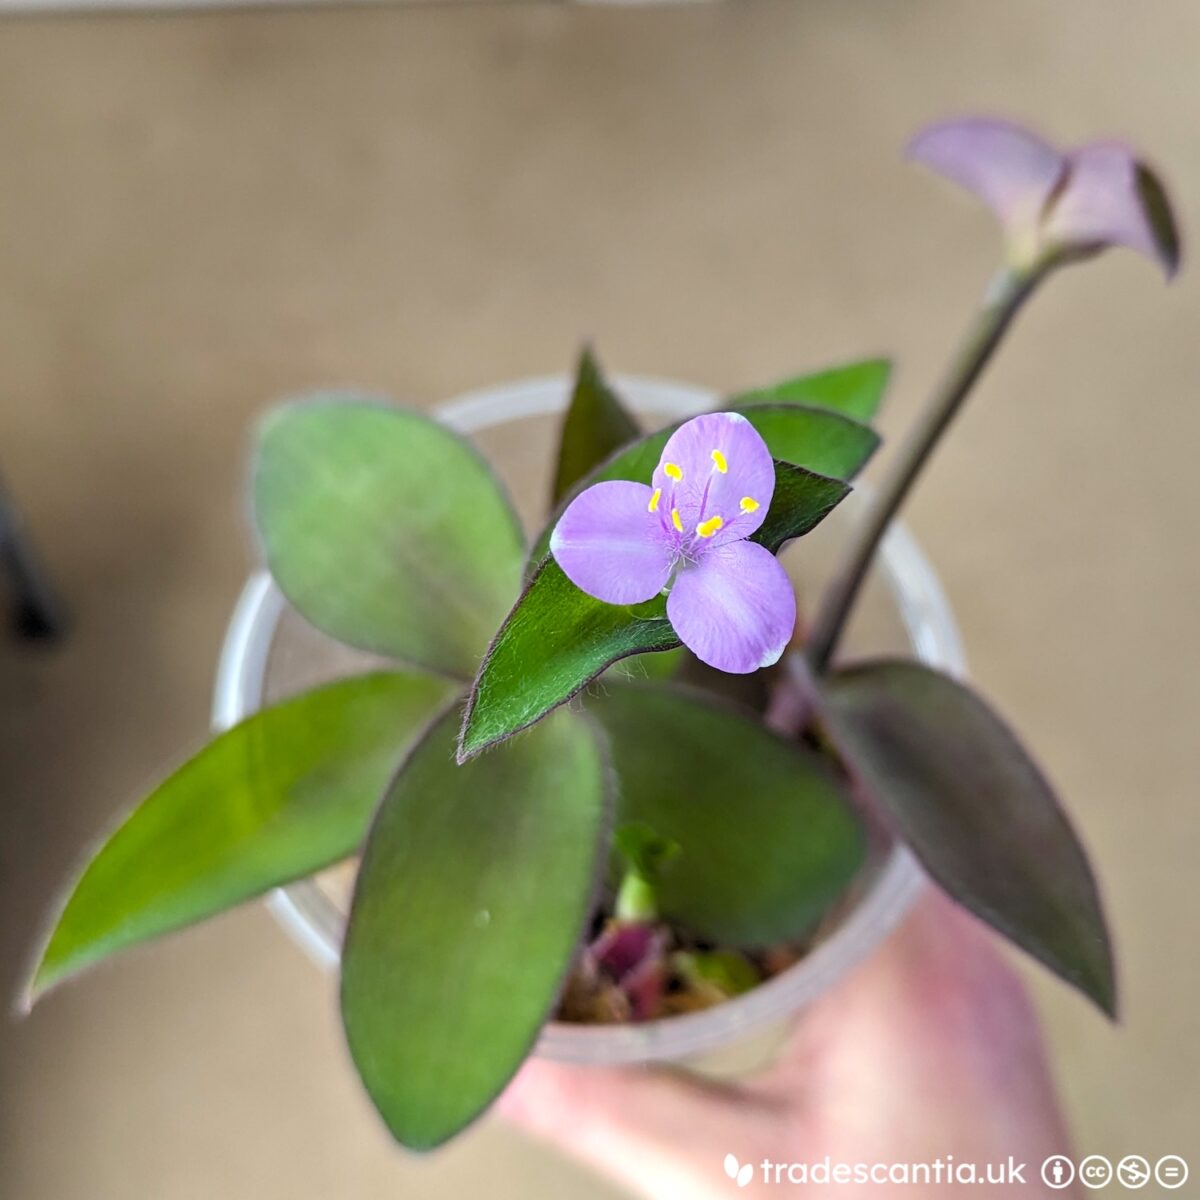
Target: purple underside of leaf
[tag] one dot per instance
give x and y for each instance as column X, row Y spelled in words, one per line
column 977, row 811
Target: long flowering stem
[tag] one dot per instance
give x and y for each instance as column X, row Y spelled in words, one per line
column 1008, row 292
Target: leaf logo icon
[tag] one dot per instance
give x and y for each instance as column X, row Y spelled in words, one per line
column 741, row 1173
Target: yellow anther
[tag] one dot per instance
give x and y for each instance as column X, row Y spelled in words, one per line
column 673, row 471
column 749, row 504
column 707, row 528
column 675, row 519
column 719, row 459
column 655, row 499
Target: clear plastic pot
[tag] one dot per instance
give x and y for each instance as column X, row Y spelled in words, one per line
column 269, row 652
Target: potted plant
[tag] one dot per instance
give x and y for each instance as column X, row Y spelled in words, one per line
column 613, row 774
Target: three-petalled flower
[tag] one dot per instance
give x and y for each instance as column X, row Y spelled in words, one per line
column 728, row 599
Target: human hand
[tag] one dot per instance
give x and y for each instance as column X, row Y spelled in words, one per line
column 929, row 1049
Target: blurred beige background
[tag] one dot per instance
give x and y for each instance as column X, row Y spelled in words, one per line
column 199, row 212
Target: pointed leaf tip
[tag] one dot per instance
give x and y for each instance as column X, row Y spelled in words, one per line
column 280, row 795
column 595, row 426
column 553, row 643
column 977, row 811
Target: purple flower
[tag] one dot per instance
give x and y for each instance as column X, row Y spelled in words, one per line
column 1054, row 205
column 730, row 602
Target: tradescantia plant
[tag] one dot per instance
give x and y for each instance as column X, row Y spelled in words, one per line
column 533, row 847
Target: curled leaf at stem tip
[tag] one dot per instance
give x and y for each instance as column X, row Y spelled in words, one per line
column 1054, row 206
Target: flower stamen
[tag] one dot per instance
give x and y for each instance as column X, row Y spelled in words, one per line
column 672, row 471
column 676, row 521
column 719, row 459
column 656, row 498
column 706, row 529
column 748, row 504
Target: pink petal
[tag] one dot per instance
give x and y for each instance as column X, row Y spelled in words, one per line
column 611, row 545
column 735, row 608
column 1110, row 198
column 723, row 461
column 1009, row 168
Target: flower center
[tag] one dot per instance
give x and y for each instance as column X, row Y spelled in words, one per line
column 707, row 524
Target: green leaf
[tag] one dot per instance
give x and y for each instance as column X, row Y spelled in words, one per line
column 823, row 443
column 557, row 639
column 856, row 390
column 284, row 793
column 474, row 891
column 977, row 811
column 386, row 530
column 656, row 666
column 595, row 426
column 553, row 643
column 767, row 838
column 1160, row 218
column 801, row 502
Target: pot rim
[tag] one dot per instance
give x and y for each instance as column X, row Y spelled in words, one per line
column 308, row 916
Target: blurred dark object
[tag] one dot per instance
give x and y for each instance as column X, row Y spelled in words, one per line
column 38, row 614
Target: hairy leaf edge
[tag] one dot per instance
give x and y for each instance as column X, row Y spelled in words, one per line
column 1107, row 999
